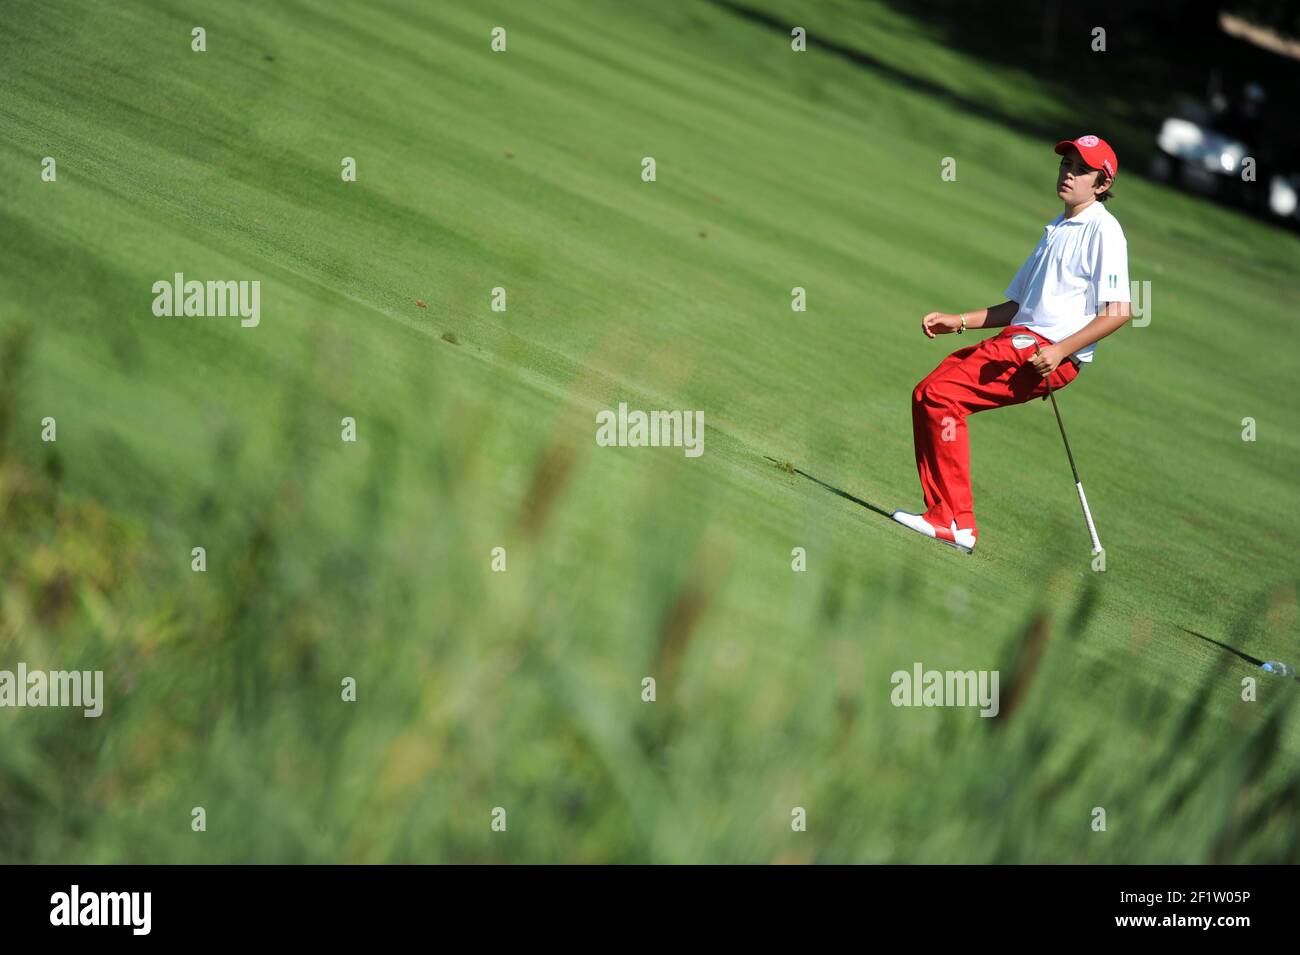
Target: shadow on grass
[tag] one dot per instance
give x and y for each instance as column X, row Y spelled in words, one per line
column 791, row 469
column 919, row 84
column 1253, row 661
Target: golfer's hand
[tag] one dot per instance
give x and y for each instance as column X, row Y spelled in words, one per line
column 940, row 323
column 1046, row 359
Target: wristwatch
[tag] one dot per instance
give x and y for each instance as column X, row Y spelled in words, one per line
column 963, row 324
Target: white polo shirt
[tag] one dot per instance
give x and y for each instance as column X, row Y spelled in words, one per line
column 1080, row 264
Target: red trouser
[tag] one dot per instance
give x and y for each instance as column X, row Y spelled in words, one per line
column 990, row 374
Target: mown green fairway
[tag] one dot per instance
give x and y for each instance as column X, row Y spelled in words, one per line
column 523, row 689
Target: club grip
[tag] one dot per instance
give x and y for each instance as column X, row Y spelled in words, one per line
column 1087, row 516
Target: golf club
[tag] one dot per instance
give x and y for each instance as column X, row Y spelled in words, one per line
column 1078, row 485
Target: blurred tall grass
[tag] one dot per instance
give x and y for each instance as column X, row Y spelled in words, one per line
column 522, row 689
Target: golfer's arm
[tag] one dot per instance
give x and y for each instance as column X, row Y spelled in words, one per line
column 1112, row 317
column 996, row 316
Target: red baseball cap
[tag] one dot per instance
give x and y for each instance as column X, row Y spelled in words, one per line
column 1096, row 152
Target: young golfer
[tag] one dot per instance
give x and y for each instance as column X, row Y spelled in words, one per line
column 1071, row 292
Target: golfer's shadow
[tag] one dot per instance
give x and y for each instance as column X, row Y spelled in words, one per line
column 790, row 468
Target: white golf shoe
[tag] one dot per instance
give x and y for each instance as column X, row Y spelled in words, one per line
column 963, row 540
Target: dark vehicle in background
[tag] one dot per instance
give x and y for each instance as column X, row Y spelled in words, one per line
column 1223, row 148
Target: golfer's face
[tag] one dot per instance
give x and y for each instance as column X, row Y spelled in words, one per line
column 1075, row 179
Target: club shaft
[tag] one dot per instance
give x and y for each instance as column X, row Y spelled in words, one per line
column 1078, row 484
column 1068, row 453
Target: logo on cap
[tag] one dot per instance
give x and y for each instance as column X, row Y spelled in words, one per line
column 1022, row 341
column 1105, row 164
column 1088, row 141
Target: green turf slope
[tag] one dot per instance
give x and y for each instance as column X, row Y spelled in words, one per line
column 523, row 689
